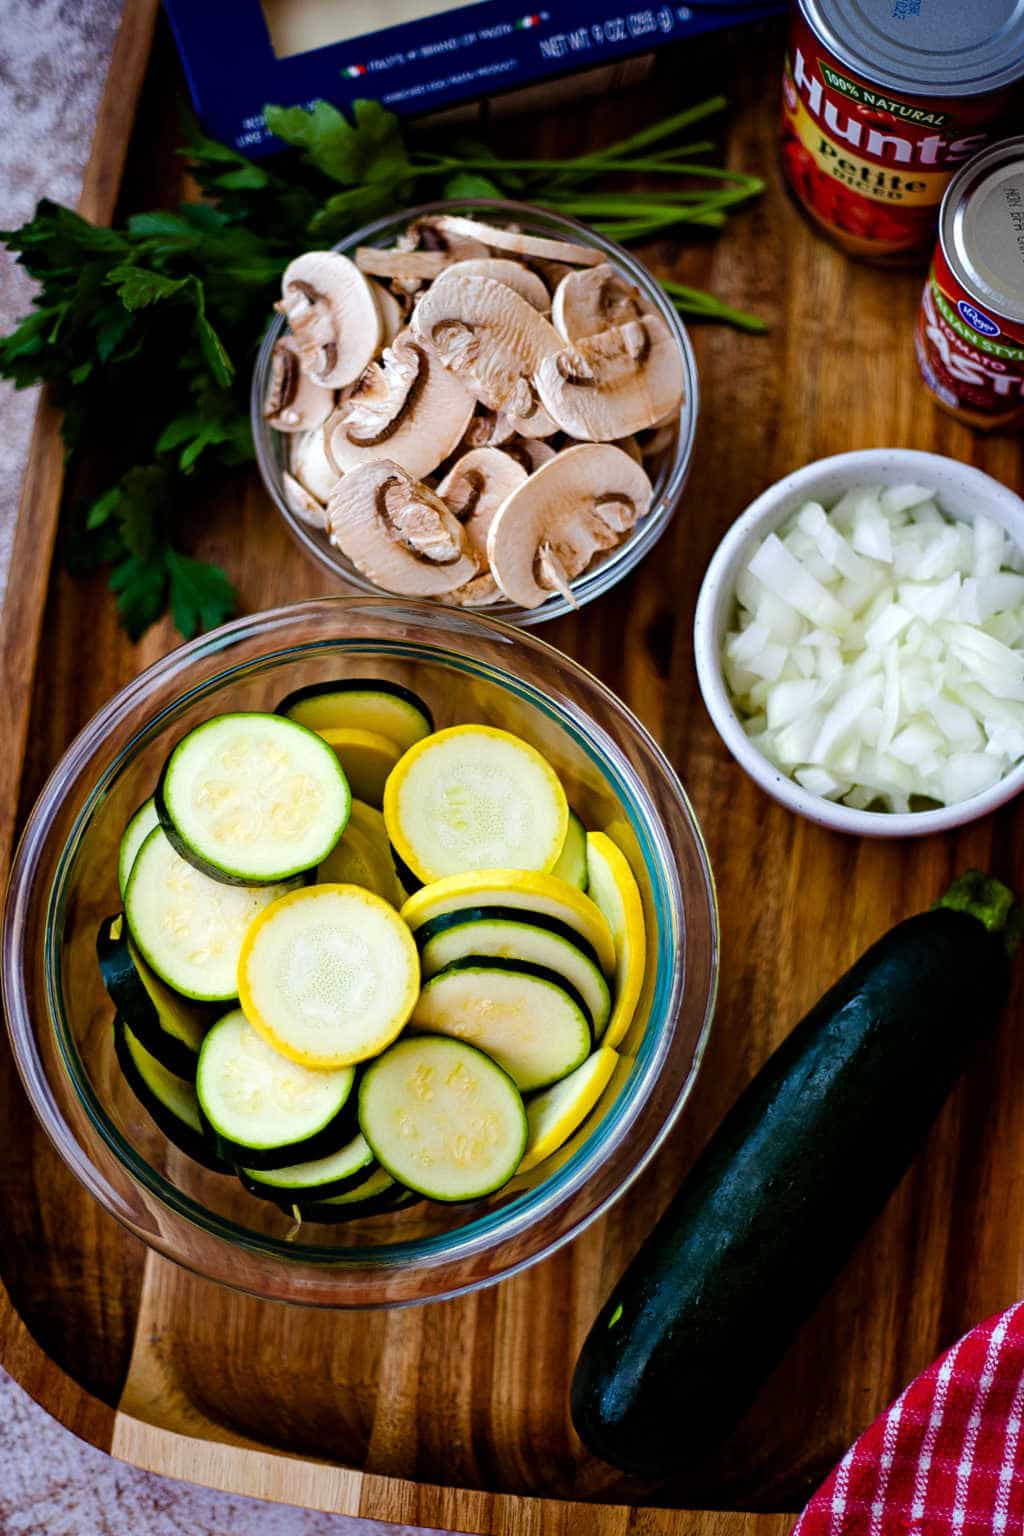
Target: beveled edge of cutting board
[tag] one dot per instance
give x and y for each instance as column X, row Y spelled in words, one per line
column 342, row 1490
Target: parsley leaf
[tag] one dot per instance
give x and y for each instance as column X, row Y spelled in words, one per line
column 141, row 587
column 201, row 595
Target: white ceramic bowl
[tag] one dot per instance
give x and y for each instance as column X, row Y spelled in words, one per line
column 962, row 492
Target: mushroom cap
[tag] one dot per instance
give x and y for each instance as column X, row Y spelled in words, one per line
column 513, row 273
column 493, row 340
column 303, row 504
column 407, row 408
column 310, row 466
column 398, row 532
column 501, row 239
column 475, row 487
column 293, row 402
column 614, row 383
column 594, row 300
column 334, row 321
column 584, row 500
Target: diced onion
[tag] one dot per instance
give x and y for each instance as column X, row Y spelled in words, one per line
column 878, row 651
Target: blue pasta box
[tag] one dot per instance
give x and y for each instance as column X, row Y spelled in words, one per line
column 413, row 55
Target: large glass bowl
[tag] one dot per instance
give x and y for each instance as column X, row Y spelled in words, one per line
column 669, row 474
column 64, row 882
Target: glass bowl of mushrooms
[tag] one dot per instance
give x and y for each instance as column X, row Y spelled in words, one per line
column 478, row 403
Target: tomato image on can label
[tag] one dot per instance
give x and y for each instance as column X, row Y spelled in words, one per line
column 868, row 163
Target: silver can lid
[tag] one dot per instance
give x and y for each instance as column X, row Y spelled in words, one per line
column 917, row 47
column 981, row 228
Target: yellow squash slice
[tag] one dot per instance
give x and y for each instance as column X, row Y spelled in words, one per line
column 328, row 975
column 614, row 890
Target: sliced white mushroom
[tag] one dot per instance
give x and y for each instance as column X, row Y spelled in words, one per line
column 659, row 439
column 334, row 320
column 406, row 408
column 392, row 315
column 487, row 429
column 310, row 465
column 303, row 504
column 494, row 341
column 415, row 266
column 479, row 592
column 513, row 273
column 530, row 452
column 549, row 272
column 398, row 532
column 584, row 501
column 632, row 447
column 500, row 239
column 475, row 487
column 594, row 300
column 615, row 383
column 426, row 234
column 293, row 402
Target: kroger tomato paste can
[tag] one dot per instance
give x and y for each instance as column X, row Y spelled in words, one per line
column 970, row 330
column 883, row 101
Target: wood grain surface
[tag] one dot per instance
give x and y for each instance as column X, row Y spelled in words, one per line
column 390, row 1415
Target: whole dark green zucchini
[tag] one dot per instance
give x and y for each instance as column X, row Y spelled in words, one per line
column 788, row 1185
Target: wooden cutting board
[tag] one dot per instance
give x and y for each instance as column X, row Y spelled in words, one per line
column 455, row 1415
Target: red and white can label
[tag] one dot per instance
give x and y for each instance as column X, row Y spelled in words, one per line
column 971, row 360
column 869, row 165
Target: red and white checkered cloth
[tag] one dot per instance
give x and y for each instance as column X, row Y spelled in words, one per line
column 947, row 1459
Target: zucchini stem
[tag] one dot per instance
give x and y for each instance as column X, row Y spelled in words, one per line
column 990, row 901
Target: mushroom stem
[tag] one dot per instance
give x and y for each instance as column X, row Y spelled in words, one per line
column 551, row 573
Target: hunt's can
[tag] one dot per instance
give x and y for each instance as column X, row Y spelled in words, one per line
column 970, row 330
column 883, row 100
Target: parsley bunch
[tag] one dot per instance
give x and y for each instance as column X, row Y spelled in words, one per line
column 147, row 335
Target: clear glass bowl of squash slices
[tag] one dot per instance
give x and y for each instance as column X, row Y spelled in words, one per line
column 360, row 952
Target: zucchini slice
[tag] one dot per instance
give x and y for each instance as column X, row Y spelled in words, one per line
column 572, row 861
column 554, row 1115
column 253, row 799
column 169, row 1100
column 471, row 798
column 614, row 889
column 508, row 934
column 134, row 835
column 265, row 1111
column 523, row 890
column 318, row 1179
column 367, row 758
column 169, row 1026
column 187, row 927
column 361, row 704
column 375, row 1195
column 442, row 1118
column 529, row 1020
column 329, row 975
